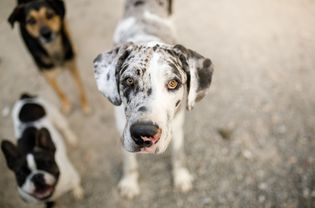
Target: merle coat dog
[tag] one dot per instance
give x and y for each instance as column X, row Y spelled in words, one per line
column 152, row 81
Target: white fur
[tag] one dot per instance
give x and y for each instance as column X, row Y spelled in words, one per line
column 69, row 178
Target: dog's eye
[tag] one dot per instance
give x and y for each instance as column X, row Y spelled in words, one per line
column 129, row 81
column 31, row 21
column 50, row 15
column 172, row 85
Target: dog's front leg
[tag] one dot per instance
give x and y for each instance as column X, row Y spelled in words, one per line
column 128, row 184
column 51, row 77
column 182, row 177
column 76, row 76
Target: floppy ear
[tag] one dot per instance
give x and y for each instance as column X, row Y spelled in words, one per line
column 199, row 70
column 11, row 153
column 106, row 71
column 58, row 6
column 16, row 15
column 43, row 140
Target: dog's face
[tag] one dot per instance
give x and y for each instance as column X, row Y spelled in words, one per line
column 41, row 19
column 153, row 83
column 34, row 165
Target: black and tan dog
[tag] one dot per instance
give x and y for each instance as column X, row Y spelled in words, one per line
column 45, row 34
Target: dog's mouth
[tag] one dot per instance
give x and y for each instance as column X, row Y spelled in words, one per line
column 43, row 193
column 151, row 143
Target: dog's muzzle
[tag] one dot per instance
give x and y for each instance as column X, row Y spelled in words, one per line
column 146, row 135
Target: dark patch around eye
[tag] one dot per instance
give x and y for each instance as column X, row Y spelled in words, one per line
column 123, row 69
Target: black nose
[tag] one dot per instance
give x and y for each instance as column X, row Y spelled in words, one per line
column 46, row 33
column 39, row 180
column 143, row 129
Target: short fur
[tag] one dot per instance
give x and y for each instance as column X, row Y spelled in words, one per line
column 39, row 160
column 44, row 32
column 152, row 81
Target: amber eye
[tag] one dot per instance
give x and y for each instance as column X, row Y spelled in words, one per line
column 31, row 21
column 171, row 85
column 50, row 15
column 129, row 81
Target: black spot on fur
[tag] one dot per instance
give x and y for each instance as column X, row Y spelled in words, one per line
column 98, row 58
column 177, row 103
column 138, row 3
column 31, row 112
column 205, row 75
column 107, row 76
column 50, row 204
column 149, row 91
column 26, row 96
column 156, row 47
column 142, row 109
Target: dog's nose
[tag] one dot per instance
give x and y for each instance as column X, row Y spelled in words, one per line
column 144, row 133
column 38, row 179
column 46, row 33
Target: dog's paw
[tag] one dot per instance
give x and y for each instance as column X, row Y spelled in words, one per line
column 66, row 106
column 183, row 180
column 129, row 187
column 71, row 138
column 78, row 193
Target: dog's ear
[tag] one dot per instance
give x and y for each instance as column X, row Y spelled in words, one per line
column 11, row 153
column 106, row 71
column 17, row 15
column 43, row 140
column 58, row 6
column 199, row 70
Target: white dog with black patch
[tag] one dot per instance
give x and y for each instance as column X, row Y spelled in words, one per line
column 39, row 161
column 152, row 81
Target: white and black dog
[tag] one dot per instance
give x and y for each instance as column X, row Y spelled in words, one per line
column 42, row 169
column 152, row 81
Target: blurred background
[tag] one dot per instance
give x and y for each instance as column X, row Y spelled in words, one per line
column 249, row 143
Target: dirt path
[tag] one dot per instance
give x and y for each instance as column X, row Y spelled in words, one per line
column 250, row 143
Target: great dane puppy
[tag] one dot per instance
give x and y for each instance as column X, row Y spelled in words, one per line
column 152, row 81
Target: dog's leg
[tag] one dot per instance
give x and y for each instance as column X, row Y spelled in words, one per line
column 78, row 192
column 182, row 177
column 51, row 78
column 62, row 124
column 128, row 184
column 76, row 76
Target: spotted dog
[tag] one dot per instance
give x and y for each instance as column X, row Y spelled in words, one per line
column 44, row 31
column 152, row 81
column 39, row 161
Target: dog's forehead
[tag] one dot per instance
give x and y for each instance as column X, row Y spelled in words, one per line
column 150, row 57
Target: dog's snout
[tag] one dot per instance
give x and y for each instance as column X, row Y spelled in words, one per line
column 46, row 33
column 144, row 133
column 38, row 180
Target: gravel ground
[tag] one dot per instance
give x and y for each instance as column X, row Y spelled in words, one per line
column 250, row 142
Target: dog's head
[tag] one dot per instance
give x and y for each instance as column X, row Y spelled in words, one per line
column 33, row 162
column 42, row 19
column 153, row 82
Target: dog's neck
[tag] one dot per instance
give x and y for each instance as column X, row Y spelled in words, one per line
column 55, row 50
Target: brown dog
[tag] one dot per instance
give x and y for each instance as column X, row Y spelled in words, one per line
column 45, row 34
